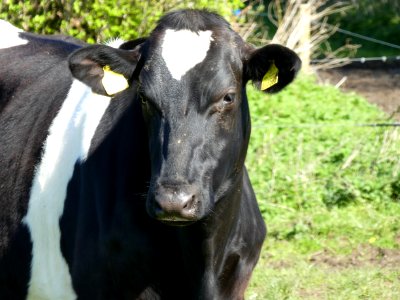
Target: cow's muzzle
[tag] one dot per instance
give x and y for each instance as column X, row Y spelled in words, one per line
column 177, row 205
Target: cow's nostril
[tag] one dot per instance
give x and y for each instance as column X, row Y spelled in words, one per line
column 189, row 204
column 175, row 203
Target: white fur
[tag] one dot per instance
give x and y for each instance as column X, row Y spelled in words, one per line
column 9, row 35
column 68, row 141
column 183, row 49
column 115, row 43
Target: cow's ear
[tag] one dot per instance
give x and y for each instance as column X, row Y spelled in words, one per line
column 271, row 67
column 106, row 70
column 133, row 44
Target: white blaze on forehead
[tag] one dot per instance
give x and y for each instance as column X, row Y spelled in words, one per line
column 183, row 49
column 9, row 35
column 68, row 141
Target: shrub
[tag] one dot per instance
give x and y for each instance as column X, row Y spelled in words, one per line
column 98, row 20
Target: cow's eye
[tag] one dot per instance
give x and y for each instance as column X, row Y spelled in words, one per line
column 229, row 98
column 143, row 99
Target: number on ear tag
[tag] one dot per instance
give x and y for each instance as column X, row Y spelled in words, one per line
column 270, row 78
column 113, row 82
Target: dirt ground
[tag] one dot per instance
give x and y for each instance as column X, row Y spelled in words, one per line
column 378, row 82
column 363, row 255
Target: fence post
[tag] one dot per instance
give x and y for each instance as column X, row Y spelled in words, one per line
column 305, row 45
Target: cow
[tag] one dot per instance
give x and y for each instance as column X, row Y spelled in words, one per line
column 122, row 169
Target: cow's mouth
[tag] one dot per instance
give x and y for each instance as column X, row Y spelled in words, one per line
column 178, row 223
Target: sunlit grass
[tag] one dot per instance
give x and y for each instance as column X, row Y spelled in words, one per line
column 329, row 193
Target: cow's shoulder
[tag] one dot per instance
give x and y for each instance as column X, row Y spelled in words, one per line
column 34, row 81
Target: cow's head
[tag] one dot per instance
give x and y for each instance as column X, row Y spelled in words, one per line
column 190, row 76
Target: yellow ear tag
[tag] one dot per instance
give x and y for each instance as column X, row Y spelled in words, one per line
column 270, row 78
column 113, row 82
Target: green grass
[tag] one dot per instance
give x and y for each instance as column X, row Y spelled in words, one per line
column 304, row 280
column 329, row 192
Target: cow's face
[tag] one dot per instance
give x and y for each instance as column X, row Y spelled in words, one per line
column 191, row 83
column 192, row 95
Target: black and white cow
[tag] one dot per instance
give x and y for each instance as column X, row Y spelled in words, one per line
column 122, row 170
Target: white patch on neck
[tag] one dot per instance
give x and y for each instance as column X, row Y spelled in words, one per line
column 68, row 141
column 183, row 49
column 9, row 35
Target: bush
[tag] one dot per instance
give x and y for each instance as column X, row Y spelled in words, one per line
column 376, row 19
column 98, row 20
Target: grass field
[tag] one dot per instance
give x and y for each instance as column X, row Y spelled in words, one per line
column 329, row 192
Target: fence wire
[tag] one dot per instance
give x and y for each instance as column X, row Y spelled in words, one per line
column 319, row 125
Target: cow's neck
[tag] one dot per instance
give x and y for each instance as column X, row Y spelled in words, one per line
column 219, row 231
column 226, row 210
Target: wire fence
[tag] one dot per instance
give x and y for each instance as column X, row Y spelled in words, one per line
column 320, row 125
column 366, row 38
column 384, row 59
column 362, row 37
column 363, row 59
column 369, row 39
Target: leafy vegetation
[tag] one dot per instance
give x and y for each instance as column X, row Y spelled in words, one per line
column 99, row 20
column 328, row 189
